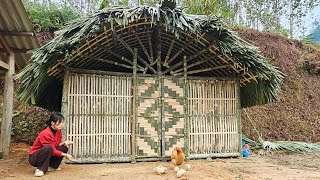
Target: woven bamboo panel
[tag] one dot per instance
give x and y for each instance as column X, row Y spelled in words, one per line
column 148, row 118
column 213, row 121
column 99, row 111
column 173, row 114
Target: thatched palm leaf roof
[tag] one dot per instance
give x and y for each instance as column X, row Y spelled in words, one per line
column 105, row 41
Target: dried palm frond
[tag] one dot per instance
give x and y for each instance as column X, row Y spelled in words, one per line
column 290, row 146
column 38, row 88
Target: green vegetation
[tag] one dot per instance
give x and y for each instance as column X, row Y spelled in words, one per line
column 49, row 18
column 257, row 14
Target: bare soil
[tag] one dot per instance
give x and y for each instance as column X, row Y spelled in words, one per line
column 268, row 166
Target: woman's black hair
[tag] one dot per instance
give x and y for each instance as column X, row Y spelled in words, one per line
column 55, row 117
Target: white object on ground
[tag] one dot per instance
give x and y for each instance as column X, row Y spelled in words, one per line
column 181, row 172
column 176, row 169
column 160, row 169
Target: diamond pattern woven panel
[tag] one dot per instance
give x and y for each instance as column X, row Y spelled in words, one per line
column 148, row 115
column 173, row 114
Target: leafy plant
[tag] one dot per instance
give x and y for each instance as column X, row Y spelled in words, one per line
column 49, row 18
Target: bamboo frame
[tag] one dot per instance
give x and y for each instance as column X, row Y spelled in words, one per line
column 150, row 46
column 111, row 62
column 131, row 50
column 148, row 34
column 141, row 23
column 144, row 48
column 134, row 108
column 205, row 70
column 65, row 100
column 123, row 58
column 186, row 106
column 195, row 64
column 238, row 111
column 165, row 63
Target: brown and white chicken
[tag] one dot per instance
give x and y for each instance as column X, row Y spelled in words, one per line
column 177, row 156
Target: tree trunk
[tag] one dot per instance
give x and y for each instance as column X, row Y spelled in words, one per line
column 291, row 18
column 277, row 14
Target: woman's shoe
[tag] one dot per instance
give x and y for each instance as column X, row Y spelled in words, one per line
column 38, row 173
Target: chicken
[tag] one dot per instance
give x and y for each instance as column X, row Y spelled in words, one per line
column 188, row 167
column 177, row 156
column 160, row 170
column 176, row 169
column 181, row 172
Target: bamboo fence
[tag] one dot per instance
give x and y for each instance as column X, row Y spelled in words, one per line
column 213, row 119
column 99, row 117
column 109, row 114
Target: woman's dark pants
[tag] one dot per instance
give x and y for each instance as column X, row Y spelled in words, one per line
column 43, row 158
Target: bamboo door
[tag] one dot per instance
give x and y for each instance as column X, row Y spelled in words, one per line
column 173, row 121
column 160, row 116
column 98, row 116
column 148, row 118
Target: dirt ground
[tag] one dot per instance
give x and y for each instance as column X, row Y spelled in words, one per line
column 268, row 166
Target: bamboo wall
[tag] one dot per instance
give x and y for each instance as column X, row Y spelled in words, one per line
column 99, row 112
column 99, row 116
column 213, row 119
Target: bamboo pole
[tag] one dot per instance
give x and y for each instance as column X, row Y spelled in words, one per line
column 196, row 63
column 186, row 118
column 131, row 50
column 205, row 69
column 150, row 47
column 165, row 63
column 134, row 106
column 161, row 102
column 144, row 48
column 123, row 58
column 238, row 100
column 64, row 104
column 110, row 62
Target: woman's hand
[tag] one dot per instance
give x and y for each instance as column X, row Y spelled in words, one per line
column 67, row 142
column 69, row 157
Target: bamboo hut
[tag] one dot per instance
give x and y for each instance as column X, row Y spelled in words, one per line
column 133, row 83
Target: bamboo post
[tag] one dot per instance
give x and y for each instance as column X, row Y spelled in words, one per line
column 238, row 104
column 6, row 124
column 134, row 106
column 64, row 103
column 161, row 118
column 161, row 99
column 186, row 113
